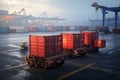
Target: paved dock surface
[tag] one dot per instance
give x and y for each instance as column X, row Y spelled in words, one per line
column 104, row 65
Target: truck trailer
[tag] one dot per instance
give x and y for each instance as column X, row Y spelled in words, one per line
column 73, row 44
column 92, row 41
column 45, row 51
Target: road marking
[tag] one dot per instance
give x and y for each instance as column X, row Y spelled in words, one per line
column 13, row 67
column 96, row 68
column 35, row 75
column 74, row 63
column 12, row 45
column 11, row 50
column 26, row 68
column 100, row 69
column 93, row 56
column 75, row 71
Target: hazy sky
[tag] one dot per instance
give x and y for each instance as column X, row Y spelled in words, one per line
column 75, row 11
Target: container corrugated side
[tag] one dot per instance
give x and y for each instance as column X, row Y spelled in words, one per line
column 12, row 30
column 72, row 41
column 116, row 30
column 100, row 43
column 51, row 28
column 45, row 46
column 65, row 28
column 32, row 29
column 77, row 28
column 84, row 28
column 89, row 37
column 58, row 44
column 42, row 29
column 58, row 28
column 4, row 29
column 20, row 30
column 72, row 28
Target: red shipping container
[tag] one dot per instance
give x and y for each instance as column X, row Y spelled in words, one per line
column 45, row 46
column 12, row 30
column 72, row 41
column 51, row 28
column 99, row 43
column 116, row 30
column 89, row 37
column 84, row 28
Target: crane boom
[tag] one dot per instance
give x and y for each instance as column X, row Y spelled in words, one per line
column 97, row 6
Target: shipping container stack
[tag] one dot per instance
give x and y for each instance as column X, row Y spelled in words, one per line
column 98, row 28
column 65, row 28
column 4, row 29
column 104, row 29
column 116, row 30
column 42, row 29
column 72, row 28
column 84, row 28
column 77, row 28
column 51, row 28
column 18, row 29
column 58, row 28
column 32, row 29
column 12, row 30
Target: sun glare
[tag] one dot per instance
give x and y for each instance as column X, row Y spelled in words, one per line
column 11, row 2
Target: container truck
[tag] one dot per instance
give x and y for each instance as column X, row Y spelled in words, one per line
column 52, row 50
column 45, row 51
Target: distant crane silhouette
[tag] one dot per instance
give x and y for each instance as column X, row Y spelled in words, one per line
column 19, row 12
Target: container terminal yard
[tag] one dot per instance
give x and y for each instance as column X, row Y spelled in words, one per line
column 43, row 51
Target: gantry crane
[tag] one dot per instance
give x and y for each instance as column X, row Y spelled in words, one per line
column 104, row 9
column 19, row 18
column 44, row 19
column 19, row 12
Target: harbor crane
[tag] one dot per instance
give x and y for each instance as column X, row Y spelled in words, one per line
column 104, row 9
column 44, row 19
column 19, row 12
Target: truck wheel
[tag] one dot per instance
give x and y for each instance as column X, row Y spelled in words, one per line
column 70, row 54
column 83, row 54
column 30, row 63
column 45, row 66
column 60, row 64
column 36, row 65
column 95, row 49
